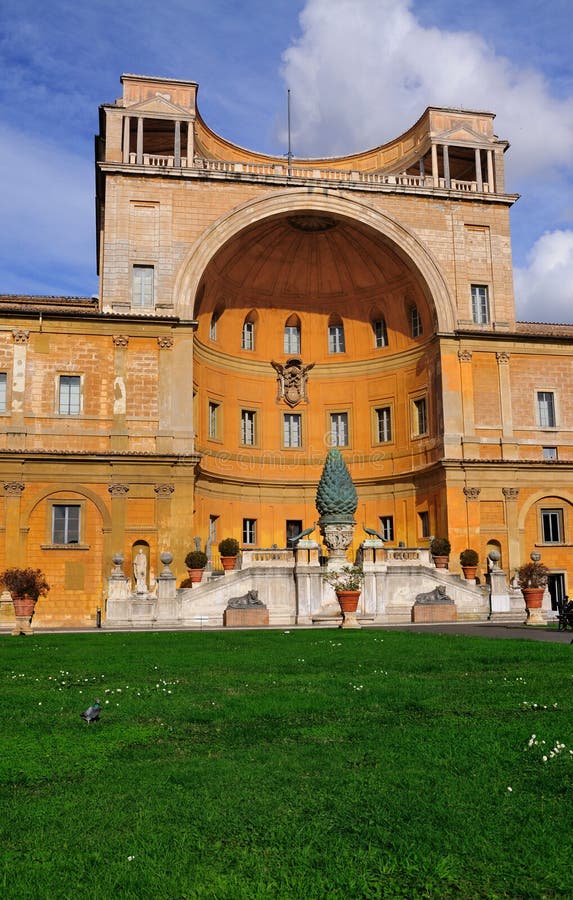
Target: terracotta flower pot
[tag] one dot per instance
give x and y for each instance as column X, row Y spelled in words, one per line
column 23, row 605
column 469, row 572
column 441, row 562
column 533, row 597
column 348, row 601
column 228, row 563
column 195, row 575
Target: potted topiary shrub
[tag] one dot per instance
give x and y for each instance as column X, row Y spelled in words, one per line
column 532, row 579
column 228, row 551
column 26, row 586
column 196, row 560
column 469, row 562
column 347, row 583
column 440, row 549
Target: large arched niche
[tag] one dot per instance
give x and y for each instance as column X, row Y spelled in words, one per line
column 399, row 240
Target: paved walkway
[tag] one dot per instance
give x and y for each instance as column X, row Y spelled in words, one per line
column 469, row 629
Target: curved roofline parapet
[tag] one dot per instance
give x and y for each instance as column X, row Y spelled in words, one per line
column 408, row 246
column 456, row 126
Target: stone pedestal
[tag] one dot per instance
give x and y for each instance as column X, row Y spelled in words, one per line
column 253, row 617
column 435, row 612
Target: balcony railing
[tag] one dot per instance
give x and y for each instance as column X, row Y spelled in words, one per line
column 284, row 170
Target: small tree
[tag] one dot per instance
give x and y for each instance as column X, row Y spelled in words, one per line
column 229, row 547
column 469, row 557
column 25, row 582
column 440, row 547
column 196, row 559
column 532, row 575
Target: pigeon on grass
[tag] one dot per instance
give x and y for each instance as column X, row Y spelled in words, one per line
column 92, row 713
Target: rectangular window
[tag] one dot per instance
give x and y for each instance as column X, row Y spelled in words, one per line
column 387, row 527
column 65, row 524
column 69, row 398
column 336, row 339
column 248, row 434
column 415, row 322
column 292, row 430
column 380, row 335
column 480, row 304
column 249, row 531
column 213, row 419
column 552, row 526
column 339, row 429
column 3, row 386
column 248, row 342
column 383, row 425
column 293, row 529
column 549, row 452
column 424, row 522
column 142, row 294
column 292, row 339
column 420, row 416
column 546, row 409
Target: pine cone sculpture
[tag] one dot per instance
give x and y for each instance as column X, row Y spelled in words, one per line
column 336, row 495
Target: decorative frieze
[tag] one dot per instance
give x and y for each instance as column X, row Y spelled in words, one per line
column 465, row 355
column 118, row 490
column 20, row 335
column 164, row 491
column 13, row 488
column 165, row 343
column 120, row 340
column 472, row 493
column 502, row 358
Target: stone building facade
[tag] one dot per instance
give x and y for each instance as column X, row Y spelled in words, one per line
column 253, row 312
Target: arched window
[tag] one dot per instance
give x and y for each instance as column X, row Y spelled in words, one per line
column 292, row 335
column 415, row 321
column 379, row 329
column 336, row 335
column 248, row 336
column 217, row 313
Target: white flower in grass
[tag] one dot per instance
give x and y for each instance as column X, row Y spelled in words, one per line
column 544, row 759
column 510, row 789
column 129, row 858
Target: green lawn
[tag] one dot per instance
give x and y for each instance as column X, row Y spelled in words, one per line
column 277, row 764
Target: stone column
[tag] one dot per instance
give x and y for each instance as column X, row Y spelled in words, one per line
column 119, row 435
column 373, row 563
column 468, row 411
column 118, row 494
column 139, row 156
column 166, row 393
column 511, row 495
column 490, row 176
column 435, row 170
column 163, row 494
column 446, row 156
column 16, row 428
column 126, row 137
column 14, row 545
column 473, row 515
column 509, row 446
column 177, row 147
column 479, row 177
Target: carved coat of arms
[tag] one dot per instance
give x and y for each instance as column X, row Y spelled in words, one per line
column 292, row 379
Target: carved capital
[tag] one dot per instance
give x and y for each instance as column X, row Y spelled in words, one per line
column 502, row 358
column 164, row 491
column 510, row 493
column 465, row 355
column 20, row 335
column 118, row 490
column 13, row 488
column 121, row 340
column 165, row 343
column 472, row 493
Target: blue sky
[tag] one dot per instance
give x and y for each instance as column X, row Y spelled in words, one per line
column 360, row 72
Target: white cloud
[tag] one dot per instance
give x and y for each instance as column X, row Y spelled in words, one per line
column 362, row 71
column 48, row 214
column 544, row 288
